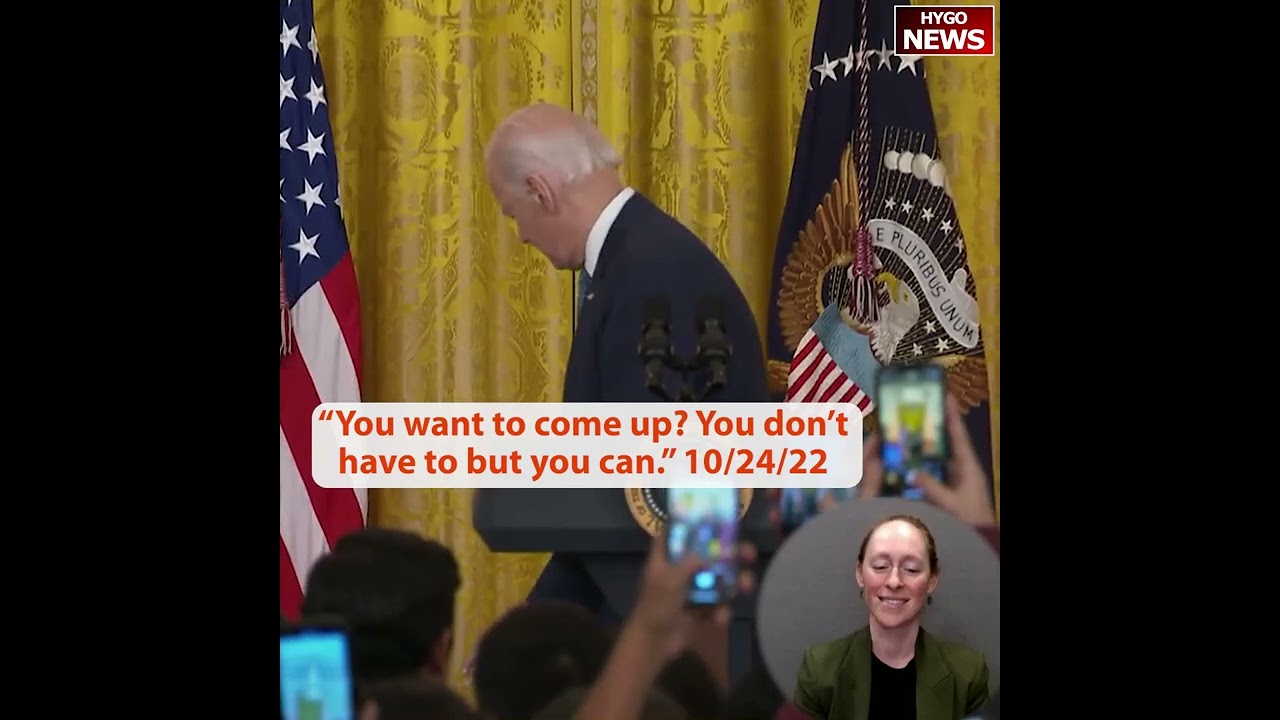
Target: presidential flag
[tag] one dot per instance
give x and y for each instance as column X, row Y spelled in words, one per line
column 870, row 267
column 319, row 307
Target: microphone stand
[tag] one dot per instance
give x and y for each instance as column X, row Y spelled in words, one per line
column 713, row 354
column 688, row 368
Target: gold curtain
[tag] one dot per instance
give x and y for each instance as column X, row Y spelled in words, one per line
column 703, row 97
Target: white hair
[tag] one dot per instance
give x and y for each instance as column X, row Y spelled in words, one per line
column 568, row 153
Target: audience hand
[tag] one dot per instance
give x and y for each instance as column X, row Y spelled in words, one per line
column 661, row 610
column 967, row 497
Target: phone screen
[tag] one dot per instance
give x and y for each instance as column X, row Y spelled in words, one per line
column 797, row 505
column 315, row 675
column 704, row 522
column 911, row 413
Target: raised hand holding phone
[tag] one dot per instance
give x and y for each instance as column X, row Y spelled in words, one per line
column 968, row 496
column 663, row 610
column 660, row 627
column 964, row 495
column 703, row 526
column 911, row 417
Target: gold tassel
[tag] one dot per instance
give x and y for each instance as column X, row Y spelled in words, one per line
column 864, row 301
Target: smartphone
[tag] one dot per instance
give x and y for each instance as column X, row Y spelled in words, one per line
column 911, row 413
column 704, row 522
column 797, row 505
column 315, row 672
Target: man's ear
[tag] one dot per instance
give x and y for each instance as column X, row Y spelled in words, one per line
column 542, row 193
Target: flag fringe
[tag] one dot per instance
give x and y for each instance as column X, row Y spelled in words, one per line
column 286, row 333
column 286, row 317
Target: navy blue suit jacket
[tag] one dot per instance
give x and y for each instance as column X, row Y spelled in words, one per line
column 648, row 253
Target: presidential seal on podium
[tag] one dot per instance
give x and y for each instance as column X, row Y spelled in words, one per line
column 649, row 506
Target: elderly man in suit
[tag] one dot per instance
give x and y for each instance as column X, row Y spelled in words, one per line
column 556, row 175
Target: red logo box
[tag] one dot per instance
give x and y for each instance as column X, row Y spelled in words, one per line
column 945, row 30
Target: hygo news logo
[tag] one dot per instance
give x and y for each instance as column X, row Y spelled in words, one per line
column 945, row 30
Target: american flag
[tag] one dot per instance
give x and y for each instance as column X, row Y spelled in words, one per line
column 319, row 306
column 867, row 158
column 816, row 376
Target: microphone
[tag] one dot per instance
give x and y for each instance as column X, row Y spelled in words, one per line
column 655, row 341
column 714, row 349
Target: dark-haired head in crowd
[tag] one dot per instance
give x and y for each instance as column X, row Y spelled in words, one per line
column 414, row 698
column 688, row 681
column 535, row 653
column 396, row 593
column 755, row 697
column 892, row 667
column 657, row 706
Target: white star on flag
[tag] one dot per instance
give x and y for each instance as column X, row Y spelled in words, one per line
column 286, row 90
column 311, row 196
column 826, row 68
column 288, row 37
column 315, row 95
column 306, row 246
column 885, row 56
column 850, row 61
column 313, row 146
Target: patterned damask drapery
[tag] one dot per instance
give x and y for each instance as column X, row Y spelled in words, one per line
column 702, row 96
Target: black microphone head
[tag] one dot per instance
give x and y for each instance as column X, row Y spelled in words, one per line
column 657, row 309
column 708, row 308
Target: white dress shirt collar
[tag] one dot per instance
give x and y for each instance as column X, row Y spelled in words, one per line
column 600, row 230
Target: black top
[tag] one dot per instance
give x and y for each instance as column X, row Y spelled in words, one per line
column 893, row 691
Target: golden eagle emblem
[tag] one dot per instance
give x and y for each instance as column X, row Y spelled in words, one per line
column 909, row 328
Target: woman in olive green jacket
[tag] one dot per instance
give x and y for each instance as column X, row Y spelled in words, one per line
column 892, row 669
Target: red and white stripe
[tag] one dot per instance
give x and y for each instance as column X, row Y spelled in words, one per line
column 323, row 366
column 816, row 377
